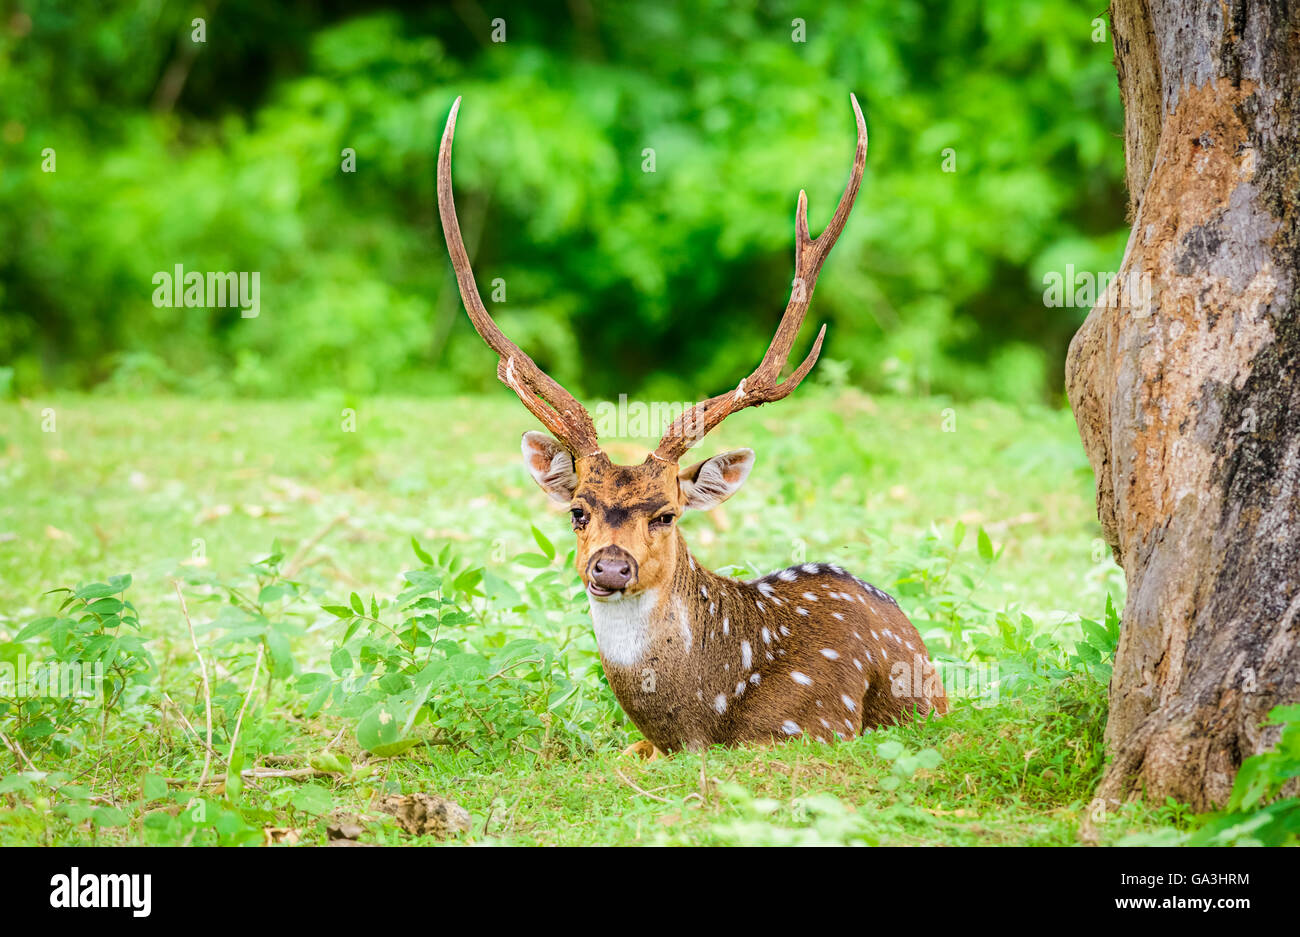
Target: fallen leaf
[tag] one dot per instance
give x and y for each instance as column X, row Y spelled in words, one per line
column 426, row 814
column 273, row 835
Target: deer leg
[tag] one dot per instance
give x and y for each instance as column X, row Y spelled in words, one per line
column 644, row 749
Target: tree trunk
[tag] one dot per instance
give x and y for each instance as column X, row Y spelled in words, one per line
column 1185, row 383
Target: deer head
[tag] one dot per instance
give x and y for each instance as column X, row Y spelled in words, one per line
column 625, row 517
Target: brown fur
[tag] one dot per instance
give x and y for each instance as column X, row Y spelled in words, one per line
column 697, row 630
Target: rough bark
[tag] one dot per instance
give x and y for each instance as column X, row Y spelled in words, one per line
column 1187, row 394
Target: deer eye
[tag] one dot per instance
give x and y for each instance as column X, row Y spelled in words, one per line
column 579, row 518
column 663, row 520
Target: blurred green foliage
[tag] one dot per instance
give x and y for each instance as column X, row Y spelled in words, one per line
column 227, row 155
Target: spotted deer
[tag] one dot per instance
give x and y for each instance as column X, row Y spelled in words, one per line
column 696, row 658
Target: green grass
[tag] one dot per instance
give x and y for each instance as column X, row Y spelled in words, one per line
column 171, row 487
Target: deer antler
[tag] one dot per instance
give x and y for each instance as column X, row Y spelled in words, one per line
column 554, row 406
column 761, row 386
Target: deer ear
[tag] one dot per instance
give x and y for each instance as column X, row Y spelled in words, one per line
column 550, row 465
column 707, row 484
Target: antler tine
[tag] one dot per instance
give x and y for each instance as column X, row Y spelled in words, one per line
column 761, row 386
column 554, row 406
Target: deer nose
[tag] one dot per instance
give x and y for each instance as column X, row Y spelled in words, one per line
column 612, row 568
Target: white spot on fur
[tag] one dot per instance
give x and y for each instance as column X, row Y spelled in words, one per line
column 740, row 687
column 789, row 727
column 857, row 663
column 746, row 655
column 838, row 616
column 754, row 678
column 787, row 575
column 683, row 622
column 801, row 610
column 766, row 589
column 720, row 703
column 848, row 702
column 810, row 597
column 811, row 569
column 784, row 631
column 759, row 606
column 830, row 654
column 767, row 636
column 802, row 678
column 726, row 626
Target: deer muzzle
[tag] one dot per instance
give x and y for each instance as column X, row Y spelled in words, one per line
column 610, row 569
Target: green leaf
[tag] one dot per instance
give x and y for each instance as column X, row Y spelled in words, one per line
column 532, row 560
column 105, row 607
column 39, row 626
column 96, row 590
column 341, row 661
column 467, row 580
column 16, row 782
column 928, row 758
column 357, row 605
column 380, row 729
column 331, row 761
column 546, row 546
column 985, row 546
column 889, row 750
column 958, row 534
column 234, row 780
column 281, row 657
column 274, row 591
column 500, row 594
column 1088, row 653
column 1097, row 635
column 422, row 581
column 318, row 700
column 338, row 611
column 155, row 787
column 420, row 554
column 109, row 816
column 313, row 799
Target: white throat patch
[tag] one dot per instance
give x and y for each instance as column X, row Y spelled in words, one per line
column 623, row 626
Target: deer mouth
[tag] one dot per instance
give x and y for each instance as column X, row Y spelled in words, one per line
column 601, row 592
